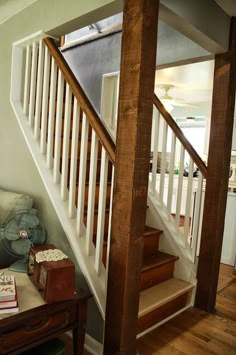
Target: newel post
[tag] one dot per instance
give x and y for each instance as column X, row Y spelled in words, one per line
column 137, row 73
column 222, row 118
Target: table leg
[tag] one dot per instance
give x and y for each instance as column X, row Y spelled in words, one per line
column 79, row 332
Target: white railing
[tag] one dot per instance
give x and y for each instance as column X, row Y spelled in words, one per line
column 73, row 164
column 176, row 184
column 179, row 198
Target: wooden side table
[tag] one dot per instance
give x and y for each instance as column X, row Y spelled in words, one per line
column 38, row 322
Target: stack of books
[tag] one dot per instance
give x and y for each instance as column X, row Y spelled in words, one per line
column 8, row 294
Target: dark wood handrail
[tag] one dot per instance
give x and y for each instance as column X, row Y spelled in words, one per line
column 179, row 134
column 82, row 98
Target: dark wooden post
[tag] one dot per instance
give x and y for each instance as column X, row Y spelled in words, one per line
column 138, row 61
column 218, row 173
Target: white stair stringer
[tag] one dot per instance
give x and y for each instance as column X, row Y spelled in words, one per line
column 95, row 282
column 158, row 217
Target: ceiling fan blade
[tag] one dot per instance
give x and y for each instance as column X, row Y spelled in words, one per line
column 166, row 98
column 182, row 103
column 178, row 103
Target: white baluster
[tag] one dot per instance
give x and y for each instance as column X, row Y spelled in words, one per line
column 171, row 173
column 91, row 192
column 27, row 79
column 163, row 161
column 109, row 223
column 44, row 121
column 188, row 201
column 101, row 211
column 82, row 173
column 156, row 127
column 180, row 186
column 74, row 158
column 51, row 115
column 66, row 143
column 57, row 148
column 196, row 216
column 39, row 91
column 33, row 84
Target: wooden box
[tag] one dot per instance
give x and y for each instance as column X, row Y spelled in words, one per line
column 34, row 267
column 55, row 280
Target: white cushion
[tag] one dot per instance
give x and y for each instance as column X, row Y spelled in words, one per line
column 11, row 202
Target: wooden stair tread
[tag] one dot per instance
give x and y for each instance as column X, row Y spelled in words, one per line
column 161, row 294
column 157, row 259
column 150, row 230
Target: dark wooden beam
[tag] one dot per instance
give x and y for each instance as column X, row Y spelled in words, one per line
column 138, row 56
column 222, row 118
column 62, row 41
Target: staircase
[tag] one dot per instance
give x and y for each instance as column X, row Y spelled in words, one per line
column 75, row 157
column 161, row 295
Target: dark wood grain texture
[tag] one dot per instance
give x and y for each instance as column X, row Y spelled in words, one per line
column 222, row 118
column 193, row 331
column 138, row 58
column 25, row 330
column 157, row 315
column 157, row 267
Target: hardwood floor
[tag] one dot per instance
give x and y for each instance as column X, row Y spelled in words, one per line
column 197, row 332
column 226, row 294
column 194, row 331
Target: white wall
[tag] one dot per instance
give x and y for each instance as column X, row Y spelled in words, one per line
column 17, row 170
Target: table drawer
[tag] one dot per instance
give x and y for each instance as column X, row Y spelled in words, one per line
column 36, row 326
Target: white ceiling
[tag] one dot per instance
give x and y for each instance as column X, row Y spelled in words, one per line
column 9, row 8
column 192, row 82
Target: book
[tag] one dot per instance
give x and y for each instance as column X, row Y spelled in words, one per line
column 7, row 288
column 9, row 310
column 7, row 303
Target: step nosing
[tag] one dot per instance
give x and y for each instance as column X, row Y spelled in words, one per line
column 157, row 263
column 180, row 288
column 150, row 232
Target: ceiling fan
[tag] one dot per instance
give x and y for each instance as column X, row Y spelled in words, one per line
column 169, row 101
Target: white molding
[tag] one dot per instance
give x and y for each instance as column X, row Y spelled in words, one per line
column 92, row 37
column 37, row 36
column 95, row 282
column 163, row 321
column 185, row 268
column 93, row 346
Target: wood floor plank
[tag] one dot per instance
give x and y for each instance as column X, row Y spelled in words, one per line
column 188, row 334
column 225, row 276
column 226, row 300
column 195, row 331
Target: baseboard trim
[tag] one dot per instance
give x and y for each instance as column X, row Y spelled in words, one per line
column 163, row 321
column 92, row 345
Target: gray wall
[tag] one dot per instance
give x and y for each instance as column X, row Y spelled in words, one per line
column 91, row 60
